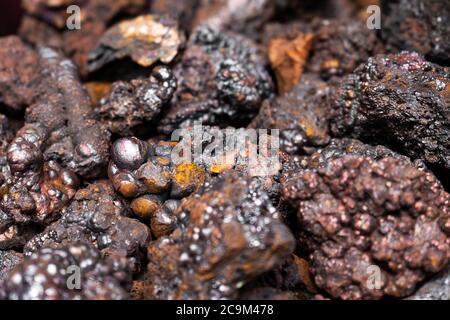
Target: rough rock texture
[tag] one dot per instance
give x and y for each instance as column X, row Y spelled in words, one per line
column 338, row 148
column 341, row 45
column 243, row 16
column 401, row 101
column 301, row 115
column 136, row 103
column 229, row 235
column 418, row 25
column 36, row 195
column 51, row 274
column 221, row 80
column 355, row 213
column 437, row 288
column 99, row 216
column 181, row 11
column 312, row 161
column 32, row 191
column 164, row 221
column 292, row 276
column 149, row 173
column 288, row 58
column 60, row 136
column 8, row 260
column 62, row 122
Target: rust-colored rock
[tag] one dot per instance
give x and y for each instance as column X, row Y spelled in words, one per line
column 99, row 216
column 64, row 119
column 287, row 58
column 46, row 275
column 19, row 74
column 164, row 220
column 418, row 25
column 97, row 90
column 230, row 233
column 132, row 105
column 398, row 100
column 44, row 23
column 8, row 261
column 374, row 228
column 146, row 39
column 222, row 80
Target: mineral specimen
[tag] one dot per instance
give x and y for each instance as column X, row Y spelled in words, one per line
column 437, row 288
column 287, row 58
column 136, row 103
column 301, row 115
column 374, row 227
column 221, row 80
column 418, row 25
column 146, row 39
column 398, row 100
column 99, row 216
column 51, row 274
column 229, row 234
column 18, row 74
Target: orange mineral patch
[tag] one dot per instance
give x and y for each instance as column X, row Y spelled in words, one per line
column 188, row 174
column 288, row 57
column 144, row 207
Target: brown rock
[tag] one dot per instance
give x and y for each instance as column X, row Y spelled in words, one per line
column 229, row 234
column 18, row 74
